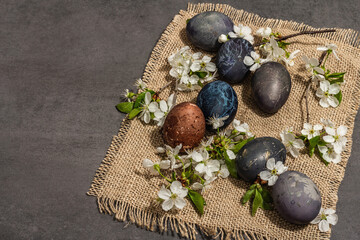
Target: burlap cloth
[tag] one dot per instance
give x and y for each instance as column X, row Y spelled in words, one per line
column 125, row 190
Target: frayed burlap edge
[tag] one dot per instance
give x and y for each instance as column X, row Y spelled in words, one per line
column 123, row 211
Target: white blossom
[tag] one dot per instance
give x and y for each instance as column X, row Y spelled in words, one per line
column 327, row 123
column 173, row 197
column 163, row 109
column 336, row 138
column 173, row 155
column 329, row 47
column 128, row 95
column 273, row 171
column 254, row 61
column 217, row 122
column 147, row 107
column 203, row 187
column 224, row 171
column 325, row 218
column 289, row 61
column 263, row 32
column 312, row 65
column 153, row 167
column 291, row 143
column 204, row 164
column 326, row 93
column 242, row 31
column 222, row 38
column 140, row 84
column 204, row 64
column 328, row 154
column 272, row 50
column 242, row 128
column 311, row 131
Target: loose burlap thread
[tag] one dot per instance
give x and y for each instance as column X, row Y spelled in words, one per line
column 127, row 191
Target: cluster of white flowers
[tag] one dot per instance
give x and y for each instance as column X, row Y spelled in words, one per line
column 330, row 147
column 159, row 109
column 203, row 165
column 326, row 90
column 292, row 144
column 191, row 70
column 239, row 31
column 273, row 171
column 325, row 218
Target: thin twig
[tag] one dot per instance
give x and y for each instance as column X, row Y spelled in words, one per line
column 303, row 33
column 298, row 34
column 321, row 59
column 163, row 87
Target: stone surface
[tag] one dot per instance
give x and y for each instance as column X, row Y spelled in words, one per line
column 296, row 197
column 230, row 60
column 204, row 29
column 270, row 86
column 63, row 66
column 252, row 158
column 218, row 99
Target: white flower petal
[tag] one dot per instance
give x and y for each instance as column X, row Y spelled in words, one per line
column 231, row 154
column 334, row 88
column 248, row 61
column 324, row 102
column 165, row 164
column 265, row 175
column 341, row 130
column 322, row 48
column 164, row 193
column 333, row 101
column 147, row 98
column 270, row 164
column 233, row 35
column 146, row 117
column 175, row 187
column 167, row 204
column 153, row 106
column 197, row 157
column 163, row 106
column 180, row 203
column 272, row 180
column 332, row 219
column 147, row 163
column 316, row 220
column 329, row 139
column 197, row 186
column 324, row 226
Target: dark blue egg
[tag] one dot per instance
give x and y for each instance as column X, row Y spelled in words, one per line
column 218, row 99
column 230, row 60
column 204, row 29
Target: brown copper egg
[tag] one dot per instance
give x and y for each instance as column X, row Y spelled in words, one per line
column 184, row 124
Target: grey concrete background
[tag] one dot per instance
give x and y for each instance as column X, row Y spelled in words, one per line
column 63, row 67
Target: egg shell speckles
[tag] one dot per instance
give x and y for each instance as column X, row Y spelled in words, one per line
column 185, row 124
column 270, row 86
column 296, row 197
column 204, row 29
column 230, row 60
column 253, row 156
column 218, row 99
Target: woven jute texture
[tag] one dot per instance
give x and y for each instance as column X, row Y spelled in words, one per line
column 125, row 189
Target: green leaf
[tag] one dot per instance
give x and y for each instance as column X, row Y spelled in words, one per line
column 125, row 107
column 231, row 165
column 140, row 99
column 266, row 196
column 247, row 196
column 266, row 206
column 338, row 96
column 134, row 112
column 238, row 146
column 187, row 20
column 336, row 75
column 198, row 200
column 258, row 201
column 253, row 186
column 201, row 74
column 312, row 144
column 173, row 176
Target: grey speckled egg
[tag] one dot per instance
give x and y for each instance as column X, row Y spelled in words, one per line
column 204, row 29
column 271, row 85
column 296, row 197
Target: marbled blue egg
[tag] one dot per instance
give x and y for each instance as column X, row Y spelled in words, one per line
column 218, row 99
column 204, row 29
column 230, row 60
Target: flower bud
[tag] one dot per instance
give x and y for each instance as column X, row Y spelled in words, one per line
column 222, row 38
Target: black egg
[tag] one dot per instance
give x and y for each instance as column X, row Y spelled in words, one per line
column 271, row 85
column 204, row 29
column 230, row 60
column 296, row 197
column 252, row 157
